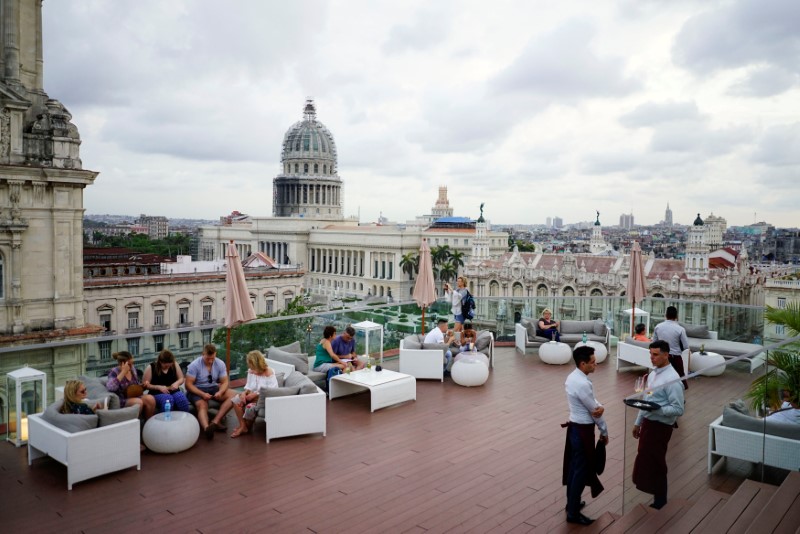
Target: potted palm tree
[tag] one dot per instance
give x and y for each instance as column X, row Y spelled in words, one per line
column 783, row 366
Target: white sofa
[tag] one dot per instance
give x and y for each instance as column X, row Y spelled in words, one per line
column 429, row 363
column 89, row 453
column 294, row 415
column 758, row 447
column 572, row 332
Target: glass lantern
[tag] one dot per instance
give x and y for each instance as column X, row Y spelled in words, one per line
column 27, row 394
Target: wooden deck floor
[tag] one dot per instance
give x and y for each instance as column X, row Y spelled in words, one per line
column 457, row 459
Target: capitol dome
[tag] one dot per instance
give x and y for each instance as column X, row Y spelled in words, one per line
column 308, row 146
column 309, row 185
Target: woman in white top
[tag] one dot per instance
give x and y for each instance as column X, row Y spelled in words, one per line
column 259, row 375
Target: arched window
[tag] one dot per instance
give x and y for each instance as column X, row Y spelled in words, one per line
column 305, row 168
column 494, row 289
column 516, row 290
column 324, row 169
column 296, row 168
column 541, row 290
column 316, row 168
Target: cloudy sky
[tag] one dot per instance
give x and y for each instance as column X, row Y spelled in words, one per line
column 537, row 108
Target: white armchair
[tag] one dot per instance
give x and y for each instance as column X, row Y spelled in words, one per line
column 422, row 363
column 294, row 415
column 89, row 453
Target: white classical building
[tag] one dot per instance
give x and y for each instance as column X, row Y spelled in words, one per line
column 308, row 230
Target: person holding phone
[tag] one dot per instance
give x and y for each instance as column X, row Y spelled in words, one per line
column 207, row 380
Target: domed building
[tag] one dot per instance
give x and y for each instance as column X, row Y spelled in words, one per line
column 309, row 185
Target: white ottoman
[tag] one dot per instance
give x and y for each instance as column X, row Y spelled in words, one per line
column 555, row 353
column 176, row 435
column 706, row 363
column 600, row 352
column 469, row 372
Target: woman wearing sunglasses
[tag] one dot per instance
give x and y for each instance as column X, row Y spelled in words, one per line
column 75, row 399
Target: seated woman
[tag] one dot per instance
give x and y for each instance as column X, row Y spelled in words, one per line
column 259, row 375
column 547, row 327
column 639, row 334
column 120, row 380
column 75, row 399
column 468, row 336
column 163, row 379
column 326, row 358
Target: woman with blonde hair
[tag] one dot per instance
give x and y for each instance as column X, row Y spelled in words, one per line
column 163, row 379
column 455, row 298
column 75, row 397
column 259, row 375
column 124, row 381
column 547, row 327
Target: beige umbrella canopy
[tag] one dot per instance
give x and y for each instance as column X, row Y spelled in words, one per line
column 424, row 289
column 238, row 308
column 636, row 290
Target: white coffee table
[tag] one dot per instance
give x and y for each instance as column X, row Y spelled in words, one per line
column 600, row 351
column 175, row 435
column 555, row 353
column 385, row 387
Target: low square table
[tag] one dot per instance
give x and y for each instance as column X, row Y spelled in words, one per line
column 385, row 387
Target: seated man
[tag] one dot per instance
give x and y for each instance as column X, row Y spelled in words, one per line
column 789, row 411
column 547, row 327
column 207, row 379
column 639, row 334
column 437, row 335
column 344, row 345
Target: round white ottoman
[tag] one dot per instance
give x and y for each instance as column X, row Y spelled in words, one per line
column 469, row 372
column 709, row 363
column 176, row 435
column 555, row 353
column 600, row 351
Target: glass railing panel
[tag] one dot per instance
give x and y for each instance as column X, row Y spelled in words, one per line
column 723, row 432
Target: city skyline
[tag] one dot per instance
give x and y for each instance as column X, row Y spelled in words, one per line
column 525, row 108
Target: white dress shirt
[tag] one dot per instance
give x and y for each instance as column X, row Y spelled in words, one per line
column 580, row 397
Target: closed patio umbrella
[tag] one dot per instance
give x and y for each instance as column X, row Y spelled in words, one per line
column 424, row 288
column 238, row 308
column 636, row 290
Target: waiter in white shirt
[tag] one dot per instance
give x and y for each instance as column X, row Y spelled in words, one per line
column 579, row 449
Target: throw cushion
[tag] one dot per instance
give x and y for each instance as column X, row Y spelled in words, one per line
column 699, row 331
column 96, row 389
column 483, row 340
column 300, row 361
column 109, row 417
column 279, row 392
column 294, row 379
column 66, row 421
column 599, row 328
column 739, row 406
column 291, row 347
column 409, row 343
column 280, row 377
column 444, row 347
column 530, row 326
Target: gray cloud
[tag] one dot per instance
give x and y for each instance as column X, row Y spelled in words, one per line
column 779, row 147
column 652, row 113
column 428, row 29
column 740, row 33
column 764, row 81
column 609, row 162
column 563, row 66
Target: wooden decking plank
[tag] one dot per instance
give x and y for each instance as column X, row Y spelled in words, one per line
column 690, row 518
column 778, row 506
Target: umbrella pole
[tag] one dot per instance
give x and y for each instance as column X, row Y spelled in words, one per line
column 423, row 321
column 633, row 315
column 228, row 351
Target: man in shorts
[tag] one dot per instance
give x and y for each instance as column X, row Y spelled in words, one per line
column 207, row 380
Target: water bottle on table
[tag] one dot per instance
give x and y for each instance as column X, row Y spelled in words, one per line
column 167, row 411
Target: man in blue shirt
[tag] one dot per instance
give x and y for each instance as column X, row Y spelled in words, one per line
column 653, row 429
column 344, row 345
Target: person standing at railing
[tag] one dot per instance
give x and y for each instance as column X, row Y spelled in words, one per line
column 580, row 461
column 673, row 333
column 654, row 428
column 455, row 297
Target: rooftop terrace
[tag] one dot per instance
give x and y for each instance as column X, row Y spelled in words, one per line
column 484, row 459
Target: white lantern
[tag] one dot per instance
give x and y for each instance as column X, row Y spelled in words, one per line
column 28, row 389
column 367, row 327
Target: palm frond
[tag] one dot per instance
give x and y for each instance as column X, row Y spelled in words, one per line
column 788, row 316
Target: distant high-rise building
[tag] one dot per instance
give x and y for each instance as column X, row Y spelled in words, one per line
column 715, row 229
column 157, row 226
column 442, row 207
column 549, row 222
column 626, row 221
column 558, row 222
column 668, row 216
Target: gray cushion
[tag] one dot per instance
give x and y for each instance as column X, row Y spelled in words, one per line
column 600, row 328
column 109, row 417
column 280, row 377
column 260, row 403
column 734, row 419
column 411, row 344
column 530, row 326
column 295, row 378
column 299, row 360
column 279, row 392
column 319, row 379
column 577, row 327
column 483, row 340
column 96, row 390
column 66, row 421
column 699, row 331
column 291, row 347
column 643, row 344
column 444, row 347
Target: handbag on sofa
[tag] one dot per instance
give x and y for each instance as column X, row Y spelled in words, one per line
column 133, row 391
